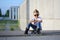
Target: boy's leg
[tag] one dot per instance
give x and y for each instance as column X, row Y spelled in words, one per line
column 38, row 27
column 26, row 31
column 28, row 27
column 34, row 29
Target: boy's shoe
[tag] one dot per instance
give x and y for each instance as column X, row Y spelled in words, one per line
column 26, row 31
column 38, row 31
column 33, row 32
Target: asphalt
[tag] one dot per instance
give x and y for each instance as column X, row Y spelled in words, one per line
column 21, row 33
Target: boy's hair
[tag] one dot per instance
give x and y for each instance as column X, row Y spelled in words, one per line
column 36, row 11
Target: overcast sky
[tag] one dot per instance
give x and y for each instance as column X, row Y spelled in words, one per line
column 6, row 4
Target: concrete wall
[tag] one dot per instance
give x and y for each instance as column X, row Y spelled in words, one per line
column 49, row 11
column 46, row 12
column 23, row 16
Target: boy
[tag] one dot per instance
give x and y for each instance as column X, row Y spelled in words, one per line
column 35, row 23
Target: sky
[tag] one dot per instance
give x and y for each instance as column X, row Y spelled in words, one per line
column 6, row 4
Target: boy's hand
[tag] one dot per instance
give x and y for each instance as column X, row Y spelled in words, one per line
column 35, row 20
column 38, row 21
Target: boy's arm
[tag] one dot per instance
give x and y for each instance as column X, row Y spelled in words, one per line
column 35, row 21
column 38, row 20
column 32, row 21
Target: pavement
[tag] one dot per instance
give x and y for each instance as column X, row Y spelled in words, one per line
column 53, row 37
column 19, row 35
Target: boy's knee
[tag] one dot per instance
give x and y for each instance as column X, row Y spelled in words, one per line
column 38, row 22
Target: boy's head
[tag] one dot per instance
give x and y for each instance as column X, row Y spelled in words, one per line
column 36, row 13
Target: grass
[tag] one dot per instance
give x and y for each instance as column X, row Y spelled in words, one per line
column 12, row 24
column 14, row 27
column 2, row 27
column 8, row 21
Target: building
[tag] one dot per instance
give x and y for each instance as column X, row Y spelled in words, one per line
column 49, row 11
column 13, row 13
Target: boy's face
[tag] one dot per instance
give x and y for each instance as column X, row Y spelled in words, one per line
column 35, row 15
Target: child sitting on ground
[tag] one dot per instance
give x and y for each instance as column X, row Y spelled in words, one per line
column 35, row 23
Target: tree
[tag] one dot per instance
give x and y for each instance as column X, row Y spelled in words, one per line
column 0, row 13
column 7, row 13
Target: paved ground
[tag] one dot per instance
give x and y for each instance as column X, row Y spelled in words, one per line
column 19, row 35
column 52, row 37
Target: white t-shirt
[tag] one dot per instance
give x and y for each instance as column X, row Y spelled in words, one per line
column 39, row 18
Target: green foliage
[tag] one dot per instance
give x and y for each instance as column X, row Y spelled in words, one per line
column 0, row 13
column 13, row 24
column 7, row 13
column 12, row 29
